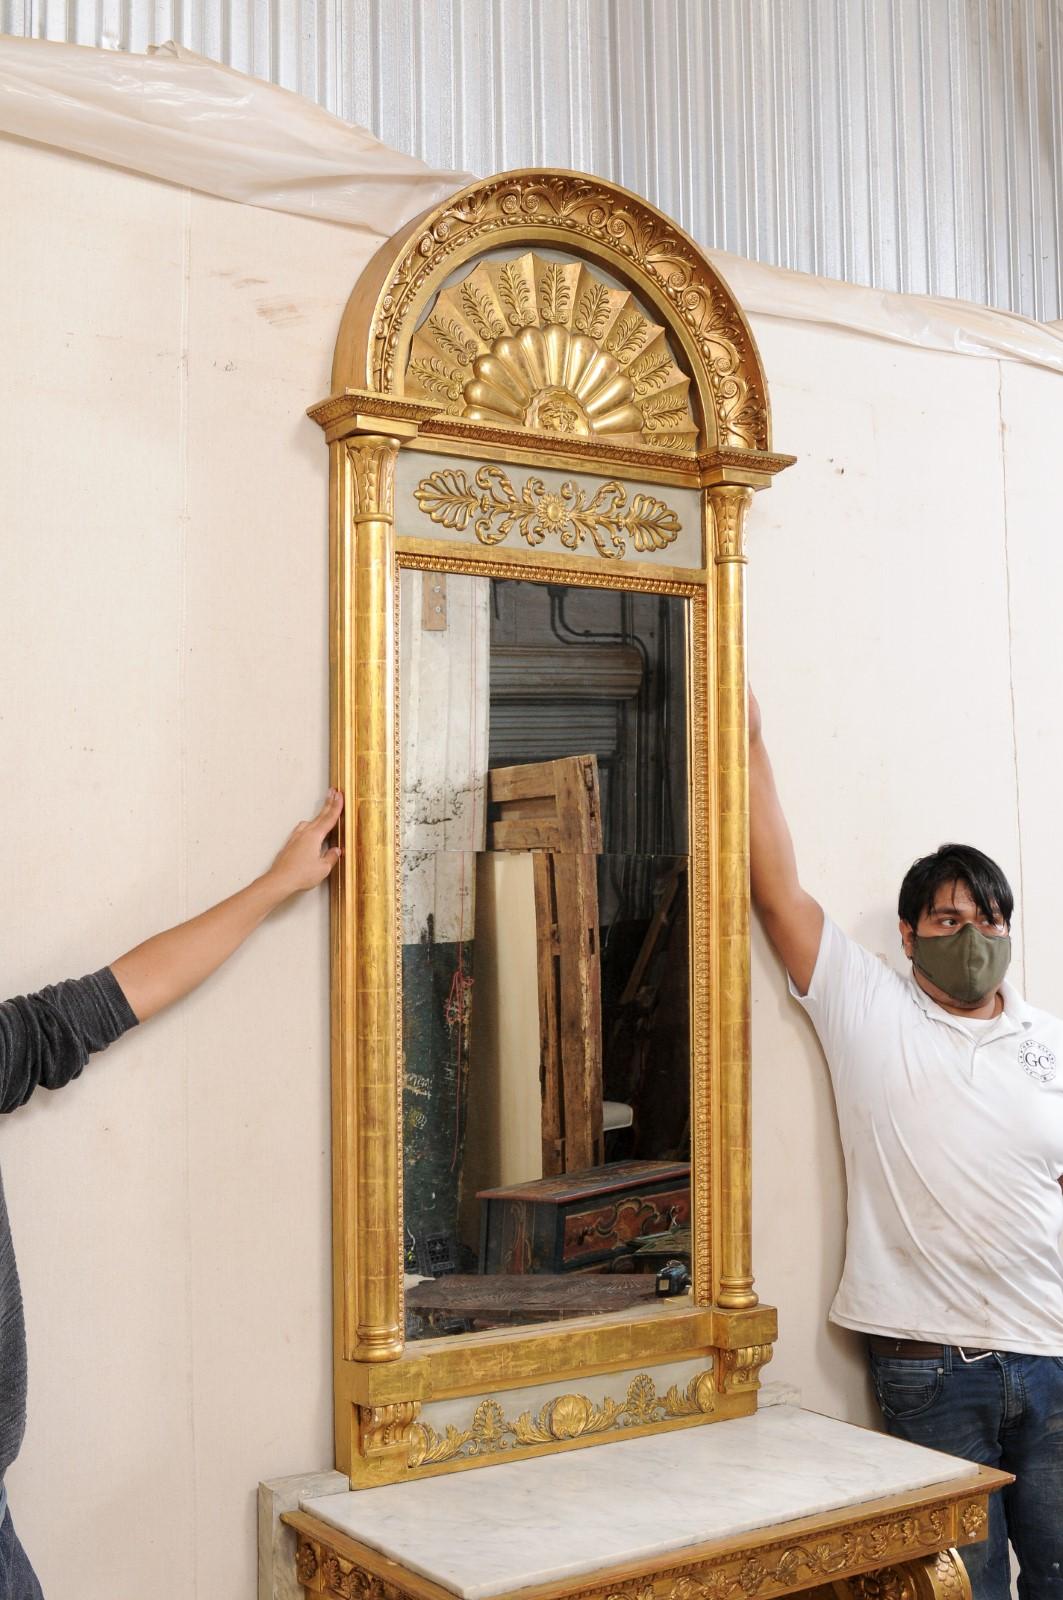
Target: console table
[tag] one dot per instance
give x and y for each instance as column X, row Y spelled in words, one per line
column 750, row 1509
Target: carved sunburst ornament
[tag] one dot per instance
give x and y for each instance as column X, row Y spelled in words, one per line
column 548, row 345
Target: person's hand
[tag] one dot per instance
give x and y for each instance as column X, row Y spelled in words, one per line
column 173, row 963
column 303, row 861
column 754, row 718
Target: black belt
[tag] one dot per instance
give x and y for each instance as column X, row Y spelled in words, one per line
column 915, row 1349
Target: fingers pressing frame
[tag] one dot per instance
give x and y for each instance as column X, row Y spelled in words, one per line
column 306, row 858
column 324, row 823
column 754, row 714
column 325, row 820
column 329, row 815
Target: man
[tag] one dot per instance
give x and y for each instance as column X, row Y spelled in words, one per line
column 949, row 1090
column 46, row 1039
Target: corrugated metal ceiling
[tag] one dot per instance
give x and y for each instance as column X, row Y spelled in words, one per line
column 908, row 144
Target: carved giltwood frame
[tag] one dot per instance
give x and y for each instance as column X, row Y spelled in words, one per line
column 719, row 446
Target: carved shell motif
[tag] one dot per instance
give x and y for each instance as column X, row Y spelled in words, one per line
column 531, row 343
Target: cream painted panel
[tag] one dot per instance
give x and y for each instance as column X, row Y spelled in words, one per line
column 485, row 507
column 625, row 1396
column 879, row 649
column 91, row 735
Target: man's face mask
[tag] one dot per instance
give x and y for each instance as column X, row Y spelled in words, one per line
column 967, row 965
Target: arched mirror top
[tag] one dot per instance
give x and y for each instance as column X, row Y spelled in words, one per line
column 554, row 302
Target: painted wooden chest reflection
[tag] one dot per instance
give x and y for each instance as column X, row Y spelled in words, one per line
column 581, row 1220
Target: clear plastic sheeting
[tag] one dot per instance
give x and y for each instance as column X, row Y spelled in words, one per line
column 928, row 321
column 175, row 115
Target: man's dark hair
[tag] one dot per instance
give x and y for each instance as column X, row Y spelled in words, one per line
column 990, row 890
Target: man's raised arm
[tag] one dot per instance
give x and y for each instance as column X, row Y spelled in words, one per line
column 792, row 920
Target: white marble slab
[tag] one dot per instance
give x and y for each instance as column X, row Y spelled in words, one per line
column 276, row 1543
column 495, row 1529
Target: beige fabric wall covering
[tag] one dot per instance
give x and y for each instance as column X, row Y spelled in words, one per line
column 175, row 115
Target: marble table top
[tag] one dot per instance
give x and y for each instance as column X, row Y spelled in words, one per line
column 557, row 1516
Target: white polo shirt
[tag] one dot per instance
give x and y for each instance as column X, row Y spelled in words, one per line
column 953, row 1139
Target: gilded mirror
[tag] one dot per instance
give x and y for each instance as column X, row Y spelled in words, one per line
column 547, row 422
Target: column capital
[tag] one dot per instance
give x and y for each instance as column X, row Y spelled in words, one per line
column 372, row 457
column 729, row 503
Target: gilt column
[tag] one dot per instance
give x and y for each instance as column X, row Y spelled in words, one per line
column 365, row 1029
column 729, row 504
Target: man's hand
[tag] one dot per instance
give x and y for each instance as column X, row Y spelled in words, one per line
column 171, row 964
column 754, row 718
column 303, row 861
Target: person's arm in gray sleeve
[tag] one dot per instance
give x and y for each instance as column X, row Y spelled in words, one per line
column 46, row 1038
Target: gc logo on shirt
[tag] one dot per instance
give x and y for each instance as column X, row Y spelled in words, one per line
column 1037, row 1060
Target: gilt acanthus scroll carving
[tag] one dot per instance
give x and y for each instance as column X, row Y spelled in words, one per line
column 741, row 1368
column 907, row 1567
column 568, row 204
column 568, row 1416
column 383, row 1428
column 603, row 516
column 777, row 1569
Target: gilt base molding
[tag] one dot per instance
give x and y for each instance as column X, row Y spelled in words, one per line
column 881, row 1555
column 393, row 1442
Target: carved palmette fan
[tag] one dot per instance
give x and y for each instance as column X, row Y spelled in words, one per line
column 547, row 345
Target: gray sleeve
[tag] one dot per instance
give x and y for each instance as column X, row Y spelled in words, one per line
column 46, row 1038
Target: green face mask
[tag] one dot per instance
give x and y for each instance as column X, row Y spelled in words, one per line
column 968, row 965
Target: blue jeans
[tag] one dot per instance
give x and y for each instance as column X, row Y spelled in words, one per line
column 1003, row 1411
column 18, row 1581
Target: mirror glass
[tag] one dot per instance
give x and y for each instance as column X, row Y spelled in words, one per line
column 545, row 949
